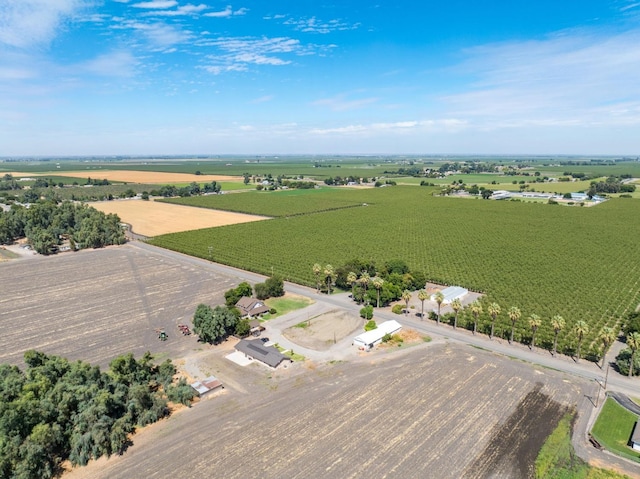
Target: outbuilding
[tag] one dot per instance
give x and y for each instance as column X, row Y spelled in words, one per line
column 451, row 293
column 207, row 385
column 369, row 339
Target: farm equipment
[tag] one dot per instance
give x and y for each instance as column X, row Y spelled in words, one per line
column 184, row 329
column 162, row 335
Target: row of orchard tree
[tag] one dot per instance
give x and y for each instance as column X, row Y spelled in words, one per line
column 57, row 410
column 46, row 224
column 395, row 282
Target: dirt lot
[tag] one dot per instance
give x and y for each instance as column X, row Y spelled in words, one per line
column 151, row 218
column 436, row 410
column 94, row 305
column 324, row 330
column 144, row 177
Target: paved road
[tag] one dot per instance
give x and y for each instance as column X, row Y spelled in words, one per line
column 587, row 406
column 625, row 402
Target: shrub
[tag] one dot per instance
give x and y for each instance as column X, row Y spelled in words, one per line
column 624, row 358
column 371, row 325
column 386, row 338
column 397, row 309
column 367, row 312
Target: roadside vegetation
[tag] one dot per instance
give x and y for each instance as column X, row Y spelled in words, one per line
column 558, row 460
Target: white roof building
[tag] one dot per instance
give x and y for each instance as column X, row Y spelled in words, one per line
column 451, row 293
column 368, row 339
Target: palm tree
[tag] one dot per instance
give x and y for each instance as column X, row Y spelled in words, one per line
column 607, row 336
column 476, row 311
column 633, row 341
column 364, row 281
column 494, row 311
column 406, row 297
column 534, row 322
column 557, row 323
column 438, row 298
column 330, row 276
column 377, row 283
column 456, row 305
column 317, row 269
column 580, row 328
column 514, row 315
column 352, row 278
column 422, row 296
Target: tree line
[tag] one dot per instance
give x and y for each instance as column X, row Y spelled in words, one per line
column 57, row 410
column 46, row 224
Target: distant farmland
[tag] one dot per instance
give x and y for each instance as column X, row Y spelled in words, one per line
column 581, row 263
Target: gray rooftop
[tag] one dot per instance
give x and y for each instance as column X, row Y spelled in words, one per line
column 257, row 350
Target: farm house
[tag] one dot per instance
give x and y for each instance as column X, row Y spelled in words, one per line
column 257, row 350
column 451, row 293
column 369, row 339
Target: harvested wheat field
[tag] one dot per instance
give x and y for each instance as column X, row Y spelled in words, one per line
column 151, row 218
column 144, row 177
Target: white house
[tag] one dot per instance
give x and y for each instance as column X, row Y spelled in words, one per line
column 369, row 339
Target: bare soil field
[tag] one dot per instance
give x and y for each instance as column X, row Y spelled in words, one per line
column 325, row 330
column 95, row 305
column 151, row 218
column 437, row 410
column 144, row 177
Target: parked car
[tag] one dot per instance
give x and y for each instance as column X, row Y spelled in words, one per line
column 264, row 340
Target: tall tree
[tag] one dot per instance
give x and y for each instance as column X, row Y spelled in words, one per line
column 494, row 310
column 607, row 336
column 581, row 328
column 456, row 305
column 633, row 341
column 329, row 276
column 377, row 283
column 557, row 323
column 534, row 322
column 438, row 298
column 476, row 311
column 364, row 280
column 317, row 270
column 351, row 281
column 422, row 296
column 514, row 315
column 406, row 297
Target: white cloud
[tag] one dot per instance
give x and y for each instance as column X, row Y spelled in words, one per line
column 161, row 35
column 114, row 64
column 182, row 10
column 339, row 103
column 313, row 25
column 574, row 77
column 28, row 23
column 240, row 52
column 410, row 127
column 156, row 4
column 262, row 99
column 227, row 12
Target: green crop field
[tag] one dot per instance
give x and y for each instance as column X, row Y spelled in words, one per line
column 278, row 203
column 581, row 263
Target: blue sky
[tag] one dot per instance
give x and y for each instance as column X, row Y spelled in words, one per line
column 91, row 77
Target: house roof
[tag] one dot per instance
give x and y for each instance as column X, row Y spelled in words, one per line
column 257, row 350
column 370, row 337
column 635, row 437
column 251, row 306
column 206, row 385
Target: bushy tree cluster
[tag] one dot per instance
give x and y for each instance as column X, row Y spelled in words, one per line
column 612, row 184
column 214, row 325
column 8, row 182
column 192, row 189
column 378, row 285
column 58, row 410
column 273, row 287
column 232, row 296
column 103, row 182
column 45, row 223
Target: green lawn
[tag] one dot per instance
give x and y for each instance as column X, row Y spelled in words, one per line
column 613, row 429
column 285, row 305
